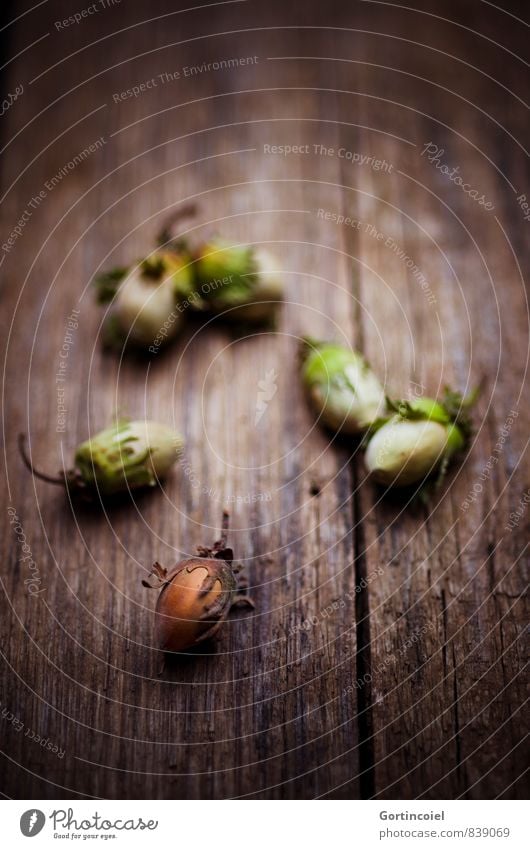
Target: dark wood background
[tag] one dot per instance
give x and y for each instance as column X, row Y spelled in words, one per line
column 436, row 629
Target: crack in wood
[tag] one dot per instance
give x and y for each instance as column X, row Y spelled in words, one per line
column 363, row 655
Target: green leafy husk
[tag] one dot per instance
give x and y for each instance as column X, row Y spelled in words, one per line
column 125, row 455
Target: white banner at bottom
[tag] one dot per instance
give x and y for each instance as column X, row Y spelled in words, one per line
column 307, row 824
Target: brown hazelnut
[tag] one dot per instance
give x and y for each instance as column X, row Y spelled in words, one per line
column 196, row 597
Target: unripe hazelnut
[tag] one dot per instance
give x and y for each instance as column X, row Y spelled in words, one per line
column 242, row 282
column 341, row 387
column 419, row 438
column 127, row 455
column 144, row 299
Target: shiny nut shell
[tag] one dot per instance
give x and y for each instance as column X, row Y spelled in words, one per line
column 194, row 602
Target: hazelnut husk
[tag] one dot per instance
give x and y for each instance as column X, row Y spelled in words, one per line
column 420, row 436
column 196, row 596
column 125, row 456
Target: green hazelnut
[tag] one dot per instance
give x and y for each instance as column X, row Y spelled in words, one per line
column 242, row 281
column 420, row 437
column 217, row 259
column 342, row 388
column 143, row 301
column 127, row 455
column 403, row 451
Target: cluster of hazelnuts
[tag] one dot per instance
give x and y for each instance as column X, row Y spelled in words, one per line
column 407, row 441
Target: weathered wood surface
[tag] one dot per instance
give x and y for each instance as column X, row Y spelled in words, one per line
column 436, row 631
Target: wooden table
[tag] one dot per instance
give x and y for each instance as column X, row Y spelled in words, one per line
column 385, row 655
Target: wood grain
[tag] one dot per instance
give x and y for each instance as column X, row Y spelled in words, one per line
column 385, row 656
